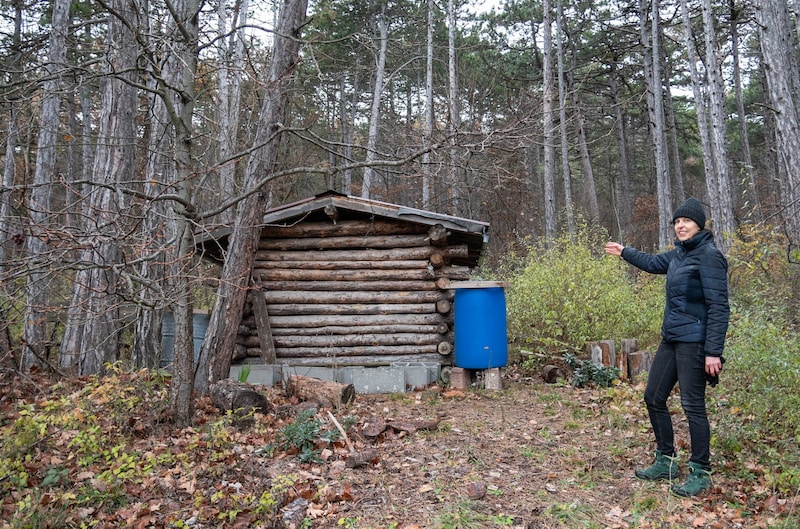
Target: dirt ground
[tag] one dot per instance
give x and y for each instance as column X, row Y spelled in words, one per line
column 532, row 455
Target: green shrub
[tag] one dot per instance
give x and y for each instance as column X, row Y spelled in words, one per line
column 761, row 275
column 563, row 297
column 304, row 435
column 586, row 372
column 761, row 382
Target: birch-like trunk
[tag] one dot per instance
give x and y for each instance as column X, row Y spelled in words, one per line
column 229, row 89
column 548, row 130
column 454, row 182
column 649, row 12
column 372, row 178
column 562, row 122
column 427, row 176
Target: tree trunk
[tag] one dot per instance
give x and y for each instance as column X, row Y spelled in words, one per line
column 177, row 90
column 372, row 180
column 35, row 332
column 427, row 170
column 583, row 147
column 720, row 196
column 91, row 334
column 160, row 171
column 783, row 85
column 231, row 60
column 678, row 193
column 551, row 226
column 649, row 12
column 218, row 346
column 562, row 122
column 750, row 196
column 10, row 230
column 622, row 185
column 454, row 121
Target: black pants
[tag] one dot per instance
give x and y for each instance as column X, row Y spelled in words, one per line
column 684, row 364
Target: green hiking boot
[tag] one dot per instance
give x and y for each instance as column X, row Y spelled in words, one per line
column 698, row 480
column 664, row 467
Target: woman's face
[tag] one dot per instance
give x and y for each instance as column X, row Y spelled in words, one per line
column 685, row 228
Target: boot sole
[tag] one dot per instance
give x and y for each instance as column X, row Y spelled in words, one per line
column 659, row 477
column 683, row 494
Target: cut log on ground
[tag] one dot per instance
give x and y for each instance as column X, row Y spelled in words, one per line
column 228, row 394
column 551, row 374
column 363, row 458
column 327, row 393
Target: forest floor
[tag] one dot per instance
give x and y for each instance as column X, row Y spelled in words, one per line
column 531, row 455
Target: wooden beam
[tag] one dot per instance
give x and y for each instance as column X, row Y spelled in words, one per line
column 263, row 326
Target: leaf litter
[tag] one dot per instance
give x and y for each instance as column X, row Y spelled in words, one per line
column 531, row 455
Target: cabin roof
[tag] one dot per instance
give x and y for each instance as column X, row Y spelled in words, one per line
column 462, row 231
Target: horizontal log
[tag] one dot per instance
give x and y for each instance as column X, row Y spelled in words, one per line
column 342, row 227
column 357, row 350
column 419, row 274
column 326, row 393
column 349, row 285
column 300, row 296
column 316, row 321
column 321, row 243
column 460, row 273
column 370, row 254
column 296, row 309
column 441, row 328
column 358, row 361
column 347, row 340
column 406, row 264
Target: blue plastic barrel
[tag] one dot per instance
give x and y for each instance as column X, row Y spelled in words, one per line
column 481, row 340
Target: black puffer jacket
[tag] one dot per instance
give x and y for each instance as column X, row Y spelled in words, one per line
column 697, row 307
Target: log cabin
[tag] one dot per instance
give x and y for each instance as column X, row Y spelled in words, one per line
column 344, row 281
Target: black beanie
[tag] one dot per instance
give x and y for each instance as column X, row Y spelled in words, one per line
column 691, row 209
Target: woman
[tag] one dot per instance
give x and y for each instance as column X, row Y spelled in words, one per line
column 693, row 337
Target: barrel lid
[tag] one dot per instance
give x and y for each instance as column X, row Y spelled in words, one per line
column 479, row 284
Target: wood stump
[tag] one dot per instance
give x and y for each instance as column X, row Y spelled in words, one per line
column 241, row 398
column 602, row 353
column 551, row 374
column 628, row 347
column 327, row 393
column 639, row 362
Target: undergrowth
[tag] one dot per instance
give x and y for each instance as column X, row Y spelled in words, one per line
column 563, row 297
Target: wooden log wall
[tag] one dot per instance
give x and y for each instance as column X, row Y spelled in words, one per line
column 354, row 293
